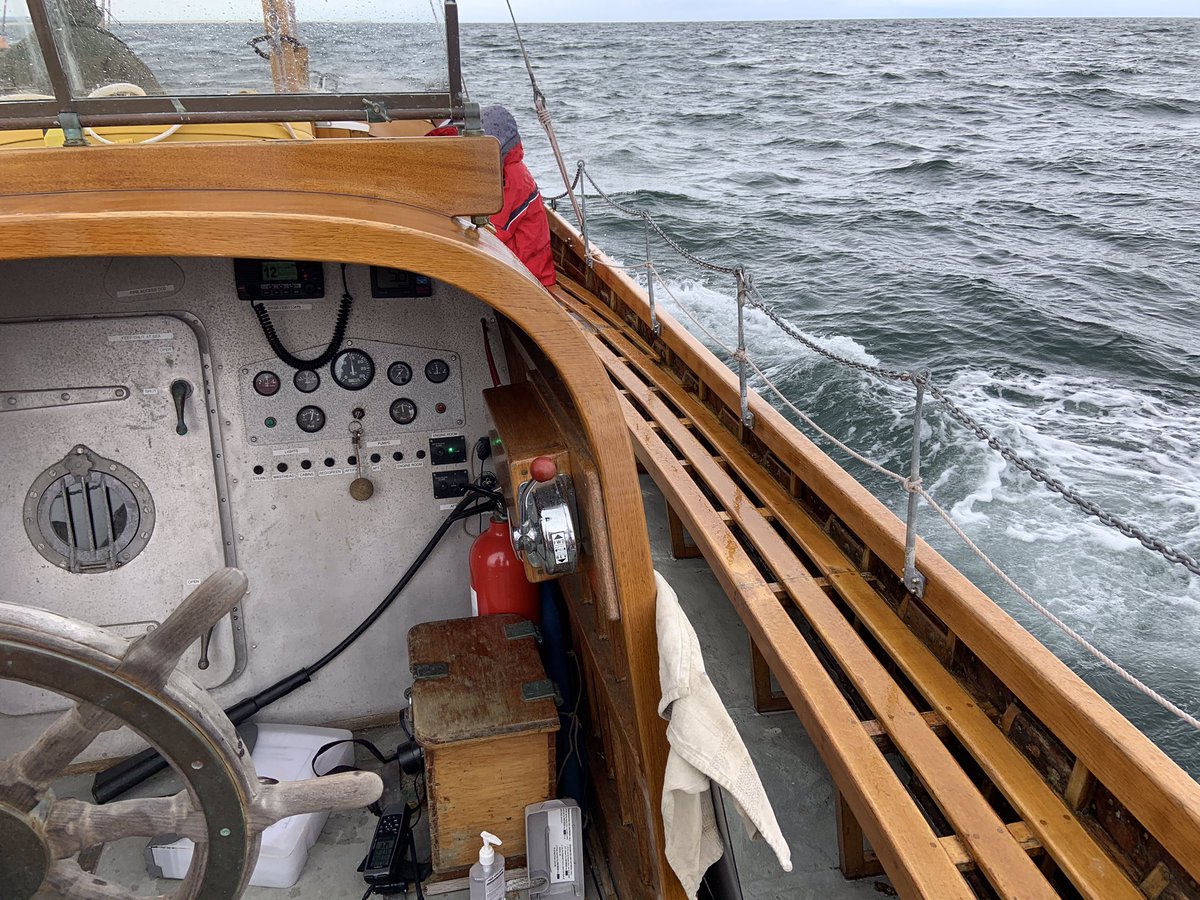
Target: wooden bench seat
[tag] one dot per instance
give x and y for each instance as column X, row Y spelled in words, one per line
column 1047, row 823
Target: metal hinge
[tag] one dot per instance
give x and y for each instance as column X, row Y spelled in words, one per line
column 72, row 129
column 545, row 689
column 523, row 629
column 429, row 671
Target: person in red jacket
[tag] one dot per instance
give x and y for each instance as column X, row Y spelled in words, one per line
column 521, row 223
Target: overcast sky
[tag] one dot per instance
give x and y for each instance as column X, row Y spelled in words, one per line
column 728, row 10
column 651, row 10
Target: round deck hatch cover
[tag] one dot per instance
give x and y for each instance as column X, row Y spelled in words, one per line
column 88, row 514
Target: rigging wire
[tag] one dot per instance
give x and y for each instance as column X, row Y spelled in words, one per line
column 914, row 486
column 543, row 114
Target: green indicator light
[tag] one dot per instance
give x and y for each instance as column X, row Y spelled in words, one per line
column 270, row 422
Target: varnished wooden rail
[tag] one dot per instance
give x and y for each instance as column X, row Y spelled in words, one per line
column 1129, row 797
column 1048, row 824
column 915, row 860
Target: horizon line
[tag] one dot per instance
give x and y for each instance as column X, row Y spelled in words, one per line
column 908, row 18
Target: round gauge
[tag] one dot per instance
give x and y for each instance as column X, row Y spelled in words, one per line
column 266, row 383
column 437, row 371
column 403, row 411
column 306, row 380
column 352, row 369
column 399, row 373
column 311, row 419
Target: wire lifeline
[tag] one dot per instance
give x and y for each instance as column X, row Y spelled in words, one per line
column 635, row 213
column 845, row 448
column 913, row 485
column 1062, row 626
column 1173, row 555
column 1059, row 487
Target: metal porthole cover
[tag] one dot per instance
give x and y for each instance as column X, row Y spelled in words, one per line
column 87, row 513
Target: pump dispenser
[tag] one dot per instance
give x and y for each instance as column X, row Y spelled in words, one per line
column 487, row 875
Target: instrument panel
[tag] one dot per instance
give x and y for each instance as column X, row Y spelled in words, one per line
column 389, row 389
column 255, row 465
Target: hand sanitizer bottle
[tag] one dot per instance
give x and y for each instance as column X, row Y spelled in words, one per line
column 487, row 875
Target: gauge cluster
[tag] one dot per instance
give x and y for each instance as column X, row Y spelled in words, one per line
column 389, row 389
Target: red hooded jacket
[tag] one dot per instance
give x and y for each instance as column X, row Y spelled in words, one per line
column 522, row 222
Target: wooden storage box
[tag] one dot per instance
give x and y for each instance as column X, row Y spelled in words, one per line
column 488, row 751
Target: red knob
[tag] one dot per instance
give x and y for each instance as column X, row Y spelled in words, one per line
column 543, row 469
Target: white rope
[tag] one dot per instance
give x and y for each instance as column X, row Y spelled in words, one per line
column 1062, row 626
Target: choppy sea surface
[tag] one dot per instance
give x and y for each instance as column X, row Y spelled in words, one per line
column 1014, row 204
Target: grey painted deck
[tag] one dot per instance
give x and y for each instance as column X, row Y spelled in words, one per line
column 794, row 777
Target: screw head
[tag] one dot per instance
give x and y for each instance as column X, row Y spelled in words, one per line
column 225, row 832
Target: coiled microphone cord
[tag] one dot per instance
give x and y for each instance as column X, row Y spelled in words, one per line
column 335, row 343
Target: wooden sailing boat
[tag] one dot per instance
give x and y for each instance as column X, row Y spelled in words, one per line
column 964, row 758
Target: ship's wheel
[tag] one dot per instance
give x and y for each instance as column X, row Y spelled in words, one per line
column 114, row 682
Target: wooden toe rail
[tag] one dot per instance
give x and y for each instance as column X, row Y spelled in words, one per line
column 804, row 601
column 899, row 834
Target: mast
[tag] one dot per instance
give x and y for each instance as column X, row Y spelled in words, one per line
column 4, row 27
column 289, row 57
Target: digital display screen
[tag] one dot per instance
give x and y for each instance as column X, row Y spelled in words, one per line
column 393, row 279
column 280, row 270
column 382, row 854
column 387, row 282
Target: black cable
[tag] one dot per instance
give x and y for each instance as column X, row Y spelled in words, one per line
column 119, row 778
column 461, row 511
column 335, row 342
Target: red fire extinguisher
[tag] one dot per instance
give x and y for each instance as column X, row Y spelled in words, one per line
column 498, row 582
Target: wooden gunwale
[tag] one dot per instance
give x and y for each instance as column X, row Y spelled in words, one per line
column 899, row 834
column 1163, row 799
column 1046, row 816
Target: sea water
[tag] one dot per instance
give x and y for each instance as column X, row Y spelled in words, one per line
column 1014, row 204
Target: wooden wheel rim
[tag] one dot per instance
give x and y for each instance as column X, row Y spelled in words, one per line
column 77, row 661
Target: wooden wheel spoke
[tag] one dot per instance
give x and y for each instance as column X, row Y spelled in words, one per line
column 24, row 776
column 346, row 790
column 75, row 825
column 152, row 657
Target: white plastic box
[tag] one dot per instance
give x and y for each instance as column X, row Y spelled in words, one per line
column 285, row 753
